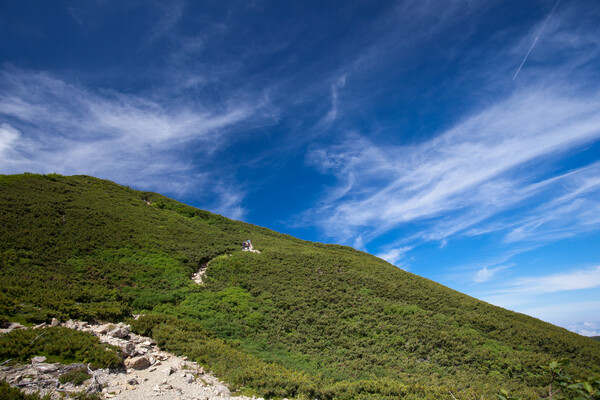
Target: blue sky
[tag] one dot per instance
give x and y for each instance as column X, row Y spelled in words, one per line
column 459, row 140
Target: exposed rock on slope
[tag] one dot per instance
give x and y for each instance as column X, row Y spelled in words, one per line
column 150, row 372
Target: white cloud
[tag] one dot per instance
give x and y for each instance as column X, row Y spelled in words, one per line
column 520, row 291
column 8, row 139
column 573, row 280
column 486, row 273
column 467, row 173
column 333, row 112
column 140, row 141
column 577, row 316
column 393, row 256
column 574, row 209
column 230, row 202
column 586, row 328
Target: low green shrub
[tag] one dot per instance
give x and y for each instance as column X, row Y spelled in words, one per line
column 563, row 386
column 59, row 345
column 76, row 375
column 249, row 374
column 10, row 393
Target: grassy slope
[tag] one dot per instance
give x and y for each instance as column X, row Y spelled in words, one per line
column 88, row 248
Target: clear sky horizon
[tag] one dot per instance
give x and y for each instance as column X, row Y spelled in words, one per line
column 459, row 140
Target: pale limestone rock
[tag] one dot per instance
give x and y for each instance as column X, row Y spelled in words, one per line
column 119, row 332
column 137, row 362
column 129, row 349
column 169, row 370
column 45, row 368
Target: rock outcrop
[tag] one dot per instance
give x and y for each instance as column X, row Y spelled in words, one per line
column 149, row 372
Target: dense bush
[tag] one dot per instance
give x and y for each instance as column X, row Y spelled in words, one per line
column 58, row 345
column 316, row 316
column 9, row 393
column 248, row 373
column 76, row 376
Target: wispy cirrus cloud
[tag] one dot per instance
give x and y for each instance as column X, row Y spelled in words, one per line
column 518, row 293
column 333, row 111
column 50, row 125
column 487, row 273
column 558, row 282
column 586, row 328
column 574, row 209
column 8, row 137
column 466, row 174
column 394, row 256
column 493, row 161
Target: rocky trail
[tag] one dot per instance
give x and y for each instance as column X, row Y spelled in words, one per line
column 149, row 372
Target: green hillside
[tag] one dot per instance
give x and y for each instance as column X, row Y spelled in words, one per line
column 300, row 319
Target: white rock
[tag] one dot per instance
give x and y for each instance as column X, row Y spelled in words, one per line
column 102, row 329
column 169, row 370
column 44, row 368
column 119, row 332
column 15, row 325
column 129, row 349
column 55, row 322
column 38, row 359
column 222, row 390
column 137, row 362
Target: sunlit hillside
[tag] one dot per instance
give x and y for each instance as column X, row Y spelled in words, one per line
column 300, row 319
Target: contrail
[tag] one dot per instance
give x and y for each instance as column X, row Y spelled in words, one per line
column 536, row 39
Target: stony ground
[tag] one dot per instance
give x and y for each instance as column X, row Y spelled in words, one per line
column 150, row 372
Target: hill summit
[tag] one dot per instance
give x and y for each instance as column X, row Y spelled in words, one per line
column 299, row 319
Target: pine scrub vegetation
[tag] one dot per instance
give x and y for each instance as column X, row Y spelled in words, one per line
column 300, row 319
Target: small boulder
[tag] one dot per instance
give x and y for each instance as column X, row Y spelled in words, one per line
column 133, row 381
column 169, row 370
column 15, row 325
column 188, row 378
column 137, row 362
column 55, row 322
column 46, row 368
column 222, row 390
column 38, row 359
column 129, row 349
column 102, row 329
column 120, row 332
column 70, row 324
